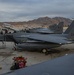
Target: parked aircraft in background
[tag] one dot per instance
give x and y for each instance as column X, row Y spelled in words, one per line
column 59, row 66
column 52, row 29
column 8, row 27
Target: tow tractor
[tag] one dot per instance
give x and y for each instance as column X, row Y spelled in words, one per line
column 19, row 62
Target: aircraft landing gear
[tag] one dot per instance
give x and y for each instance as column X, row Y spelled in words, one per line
column 45, row 51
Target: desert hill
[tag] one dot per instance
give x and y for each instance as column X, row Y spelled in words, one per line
column 40, row 22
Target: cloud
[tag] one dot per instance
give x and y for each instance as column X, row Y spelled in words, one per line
column 21, row 10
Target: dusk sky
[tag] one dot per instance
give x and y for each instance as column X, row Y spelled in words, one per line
column 24, row 10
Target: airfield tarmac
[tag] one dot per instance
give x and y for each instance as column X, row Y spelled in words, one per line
column 7, row 53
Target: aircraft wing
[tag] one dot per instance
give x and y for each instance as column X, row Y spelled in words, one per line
column 48, row 38
column 59, row 66
column 41, row 30
column 11, row 28
column 51, row 39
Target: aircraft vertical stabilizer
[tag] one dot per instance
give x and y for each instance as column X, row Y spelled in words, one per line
column 69, row 28
column 59, row 28
column 71, row 34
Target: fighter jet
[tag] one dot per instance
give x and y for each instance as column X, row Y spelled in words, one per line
column 52, row 29
column 59, row 66
column 44, row 42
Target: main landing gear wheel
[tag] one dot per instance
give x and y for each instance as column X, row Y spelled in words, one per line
column 45, row 51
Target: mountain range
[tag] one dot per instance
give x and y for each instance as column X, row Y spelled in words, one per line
column 42, row 21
